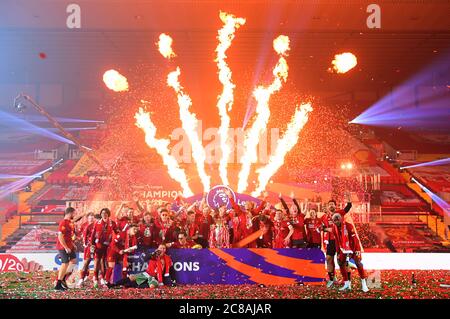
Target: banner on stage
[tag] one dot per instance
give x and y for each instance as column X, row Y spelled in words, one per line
column 243, row 266
column 207, row 266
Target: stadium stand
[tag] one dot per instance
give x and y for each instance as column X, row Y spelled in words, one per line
column 23, row 167
column 400, row 210
column 61, row 175
column 400, row 196
column 437, row 179
column 34, row 240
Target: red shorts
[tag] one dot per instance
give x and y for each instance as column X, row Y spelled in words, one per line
column 114, row 257
column 100, row 253
column 87, row 253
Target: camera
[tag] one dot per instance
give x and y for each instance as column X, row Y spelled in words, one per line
column 146, row 256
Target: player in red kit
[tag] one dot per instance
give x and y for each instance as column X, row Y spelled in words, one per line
column 282, row 230
column 149, row 233
column 183, row 242
column 190, row 226
column 328, row 236
column 88, row 252
column 245, row 225
column 313, row 225
column 124, row 243
column 121, row 217
column 102, row 235
column 166, row 226
column 348, row 246
column 204, row 220
column 266, row 239
column 297, row 220
column 133, row 217
column 66, row 248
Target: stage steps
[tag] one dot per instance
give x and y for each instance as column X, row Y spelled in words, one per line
column 416, row 189
column 432, row 220
column 405, row 213
column 402, row 223
column 13, row 238
column 30, row 245
column 10, row 227
column 13, row 224
column 32, row 201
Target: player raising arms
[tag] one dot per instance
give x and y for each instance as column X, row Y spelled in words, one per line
column 348, row 246
column 66, row 248
column 328, row 236
column 313, row 224
column 247, row 217
column 297, row 220
column 101, row 237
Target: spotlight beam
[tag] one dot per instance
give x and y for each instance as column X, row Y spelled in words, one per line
column 14, row 123
column 444, row 161
column 435, row 198
column 12, row 176
column 12, row 187
column 37, row 118
column 418, row 102
column 65, row 133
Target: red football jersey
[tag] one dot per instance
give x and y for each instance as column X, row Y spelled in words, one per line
column 280, row 231
column 346, row 238
column 312, row 225
column 299, row 227
column 87, row 233
column 122, row 241
column 187, row 245
column 103, row 233
column 67, row 229
column 328, row 222
column 149, row 235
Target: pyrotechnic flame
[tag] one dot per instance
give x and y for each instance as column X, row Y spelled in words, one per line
column 189, row 120
column 225, row 100
column 284, row 145
column 344, row 62
column 165, row 46
column 189, row 123
column 281, row 45
column 262, row 95
column 161, row 146
column 115, row 81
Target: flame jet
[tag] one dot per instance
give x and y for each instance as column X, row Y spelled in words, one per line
column 115, row 81
column 262, row 95
column 189, row 120
column 284, row 145
column 344, row 62
column 144, row 122
column 226, row 99
column 165, row 46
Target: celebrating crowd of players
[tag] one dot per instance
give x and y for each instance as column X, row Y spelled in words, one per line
column 109, row 241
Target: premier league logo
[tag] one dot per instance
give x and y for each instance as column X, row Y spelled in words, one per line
column 216, row 197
